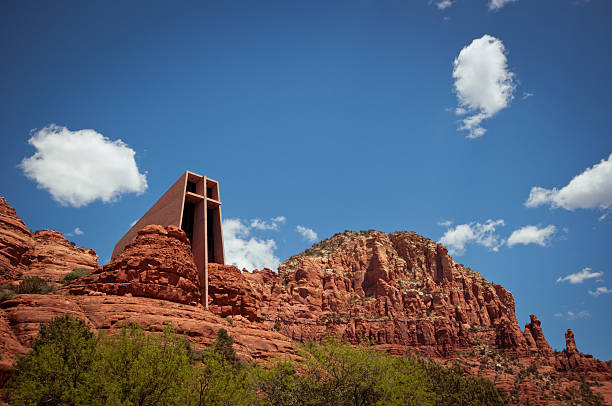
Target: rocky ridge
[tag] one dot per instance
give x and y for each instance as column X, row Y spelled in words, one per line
column 400, row 291
column 45, row 253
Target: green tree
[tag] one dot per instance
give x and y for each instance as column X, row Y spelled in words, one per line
column 55, row 372
column 224, row 345
column 217, row 381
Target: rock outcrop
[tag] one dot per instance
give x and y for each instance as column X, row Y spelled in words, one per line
column 15, row 241
column 46, row 254
column 156, row 264
column 535, row 337
column 53, row 256
column 573, row 360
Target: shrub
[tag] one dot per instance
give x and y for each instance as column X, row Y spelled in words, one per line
column 33, row 284
column 75, row 274
column 5, row 294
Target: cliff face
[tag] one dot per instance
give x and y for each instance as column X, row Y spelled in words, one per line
column 400, row 291
column 15, row 241
column 46, row 254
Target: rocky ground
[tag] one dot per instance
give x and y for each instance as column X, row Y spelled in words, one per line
column 400, row 291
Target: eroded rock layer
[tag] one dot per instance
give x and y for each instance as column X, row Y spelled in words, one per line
column 46, row 254
column 156, row 264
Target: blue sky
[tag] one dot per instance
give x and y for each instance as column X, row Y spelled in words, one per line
column 329, row 115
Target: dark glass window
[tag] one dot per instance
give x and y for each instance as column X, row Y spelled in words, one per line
column 191, row 187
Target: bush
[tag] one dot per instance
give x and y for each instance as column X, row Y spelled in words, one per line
column 335, row 373
column 75, row 274
column 33, row 284
column 6, row 294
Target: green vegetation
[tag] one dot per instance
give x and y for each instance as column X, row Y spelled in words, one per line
column 6, row 293
column 33, row 284
column 75, row 274
column 70, row 365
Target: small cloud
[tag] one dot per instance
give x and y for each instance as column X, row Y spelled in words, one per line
column 273, row 224
column 76, row 231
column 483, row 83
column 580, row 277
column 532, row 235
column 601, row 290
column 307, row 233
column 443, row 4
column 603, row 216
column 497, row 4
column 527, row 95
column 133, row 223
column 445, row 223
column 589, row 190
column 456, row 239
column 573, row 315
column 82, row 166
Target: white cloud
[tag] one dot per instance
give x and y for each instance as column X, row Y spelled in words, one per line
column 572, row 315
column 308, row 233
column 579, row 277
column 76, row 231
column 456, row 239
column 588, row 190
column 443, row 4
column 527, row 95
column 79, row 167
column 483, row 83
column 273, row 224
column 532, row 235
column 497, row 4
column 445, row 223
column 600, row 291
column 246, row 251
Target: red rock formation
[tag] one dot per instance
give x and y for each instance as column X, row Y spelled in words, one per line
column 399, row 289
column 533, row 330
column 25, row 313
column 47, row 254
column 156, row 264
column 572, row 360
column 53, row 256
column 15, row 241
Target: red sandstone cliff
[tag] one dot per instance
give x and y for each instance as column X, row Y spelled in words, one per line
column 401, row 291
column 46, row 254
